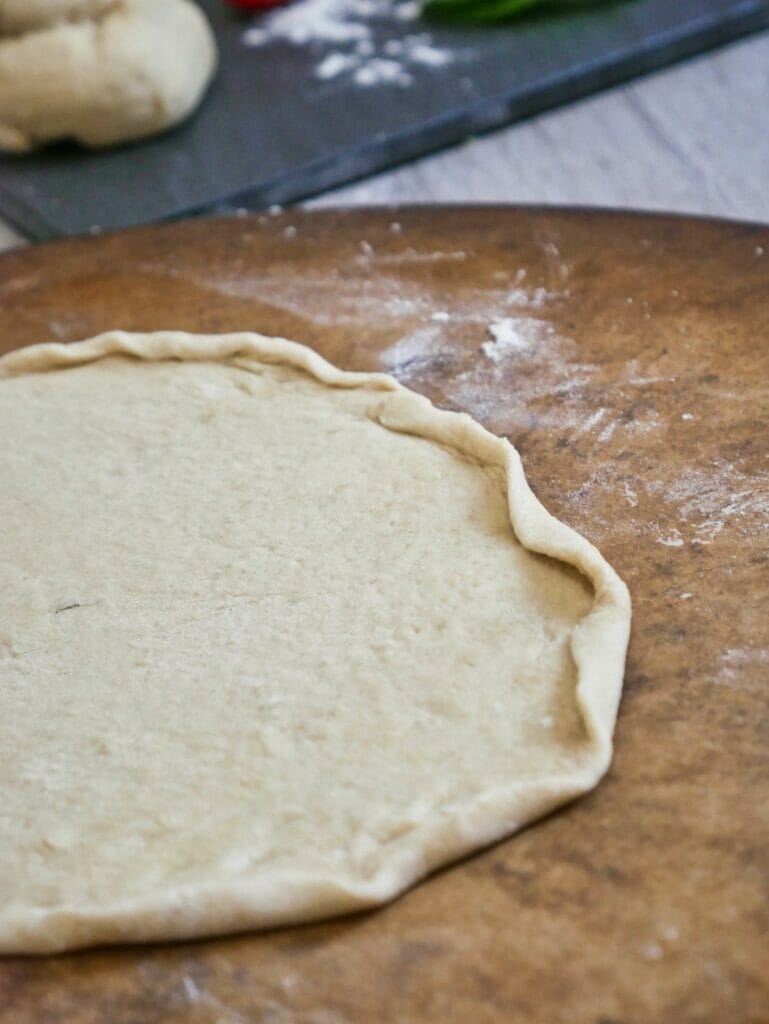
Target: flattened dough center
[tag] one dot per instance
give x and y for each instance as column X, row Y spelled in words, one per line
column 248, row 634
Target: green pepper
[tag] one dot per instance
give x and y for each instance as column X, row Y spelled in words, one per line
column 480, row 11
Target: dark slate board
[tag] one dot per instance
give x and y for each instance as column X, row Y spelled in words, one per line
column 270, row 132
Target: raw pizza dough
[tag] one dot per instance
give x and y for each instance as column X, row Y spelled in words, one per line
column 24, row 15
column 276, row 640
column 100, row 73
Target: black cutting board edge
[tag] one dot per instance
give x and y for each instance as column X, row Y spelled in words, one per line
column 241, row 151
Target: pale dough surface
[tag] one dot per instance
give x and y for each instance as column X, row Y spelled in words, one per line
column 99, row 73
column 23, row 15
column 275, row 640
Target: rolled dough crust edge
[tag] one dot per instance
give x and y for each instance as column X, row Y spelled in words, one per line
column 598, row 645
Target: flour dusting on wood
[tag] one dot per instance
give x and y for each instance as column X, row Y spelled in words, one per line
column 743, row 667
column 707, row 500
column 514, row 334
column 414, row 352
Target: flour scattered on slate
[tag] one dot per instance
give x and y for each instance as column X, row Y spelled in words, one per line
column 355, row 39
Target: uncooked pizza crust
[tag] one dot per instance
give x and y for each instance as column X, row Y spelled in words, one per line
column 276, row 640
column 99, row 72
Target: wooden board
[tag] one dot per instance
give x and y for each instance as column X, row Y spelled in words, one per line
column 638, row 395
column 272, row 131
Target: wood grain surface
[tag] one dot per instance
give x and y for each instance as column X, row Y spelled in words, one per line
column 636, row 386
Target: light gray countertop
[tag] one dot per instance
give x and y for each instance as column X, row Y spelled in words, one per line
column 693, row 138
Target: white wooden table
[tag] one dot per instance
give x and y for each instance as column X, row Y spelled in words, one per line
column 693, row 138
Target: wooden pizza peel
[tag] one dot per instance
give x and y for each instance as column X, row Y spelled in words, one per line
column 627, row 357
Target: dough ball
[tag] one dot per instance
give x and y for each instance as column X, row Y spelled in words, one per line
column 134, row 71
column 25, row 15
